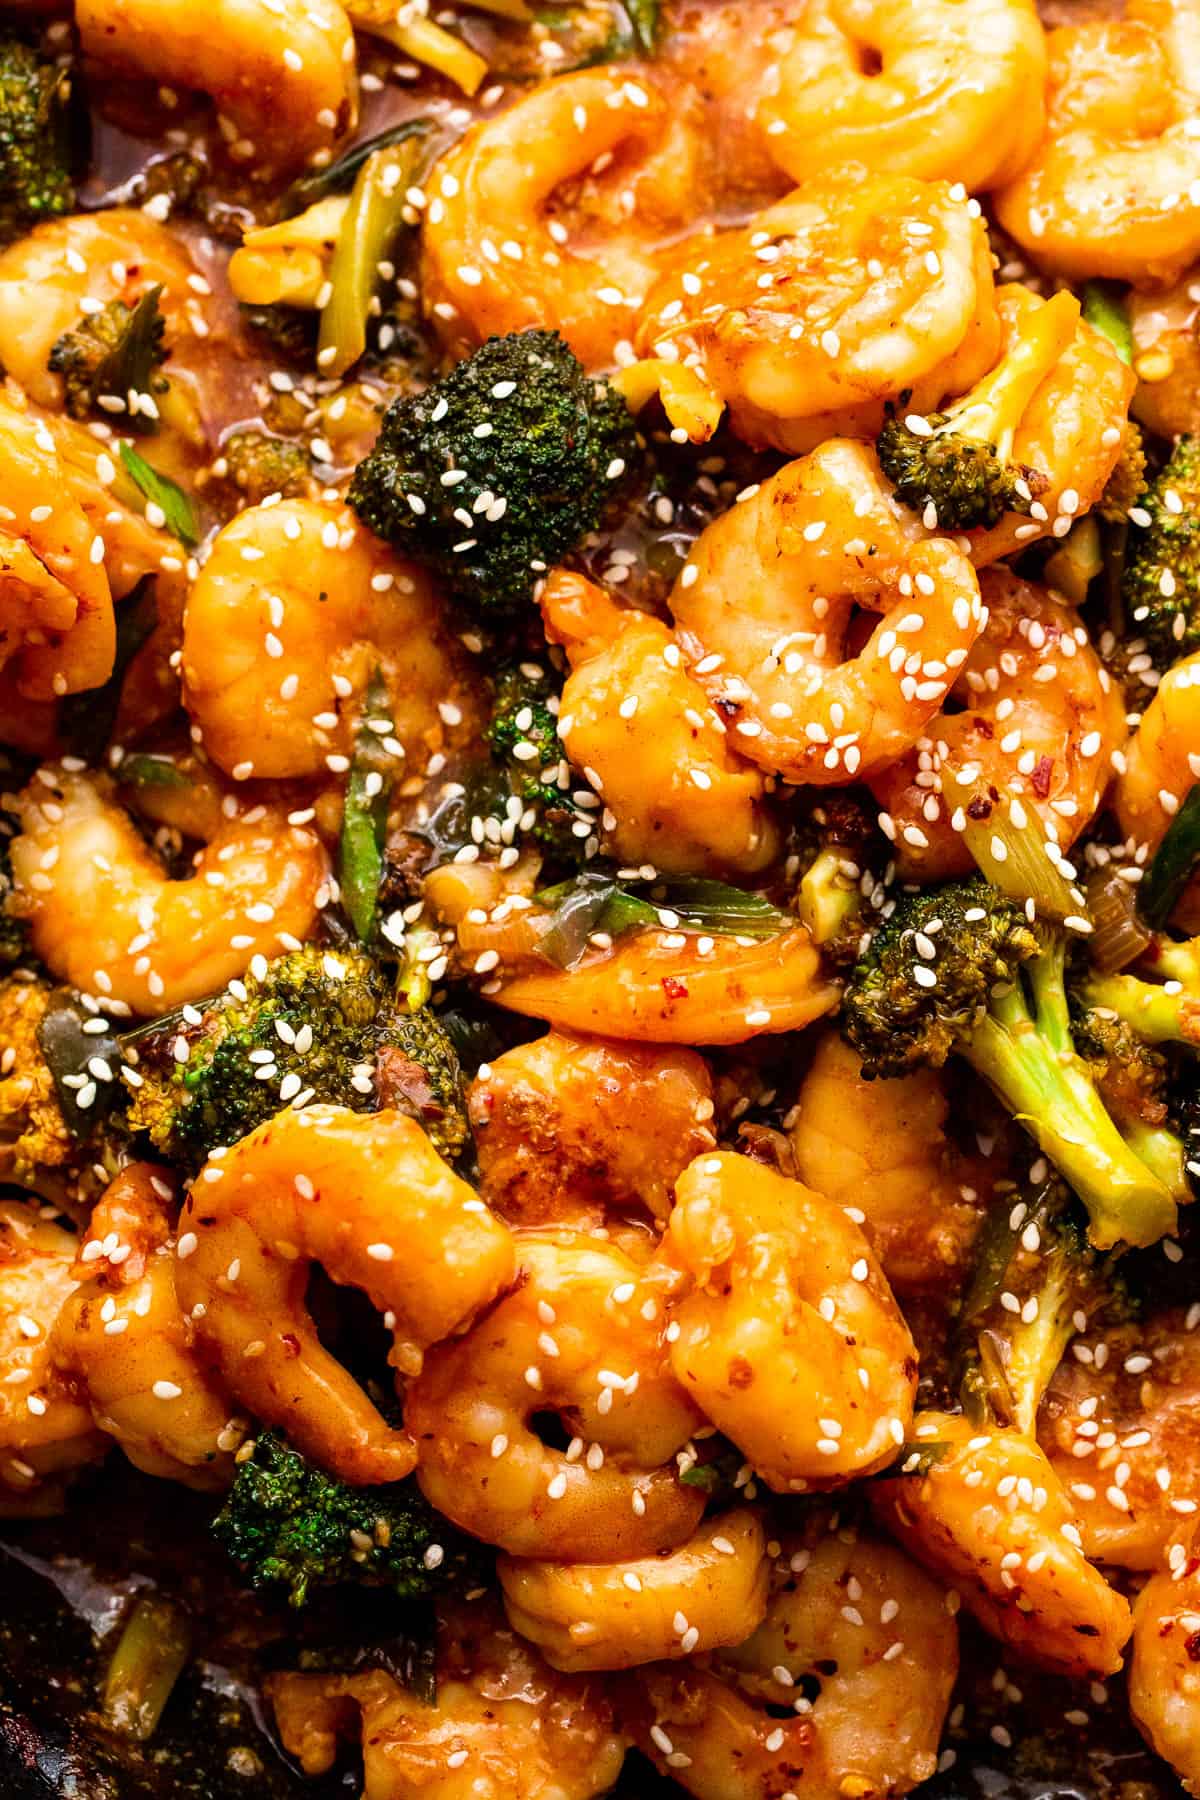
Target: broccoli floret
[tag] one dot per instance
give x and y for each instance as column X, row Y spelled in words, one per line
column 257, row 465
column 418, row 1072
column 1037, row 1282
column 35, row 148
column 1161, row 585
column 327, row 1017
column 835, row 848
column 288, row 1524
column 959, row 969
column 112, row 353
column 1127, row 483
column 34, row 1135
column 960, row 461
column 499, row 469
column 1131, row 1076
column 523, row 734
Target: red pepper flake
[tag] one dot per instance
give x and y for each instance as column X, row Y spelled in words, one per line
column 673, row 988
column 1040, row 779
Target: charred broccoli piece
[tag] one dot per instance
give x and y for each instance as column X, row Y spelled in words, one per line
column 1161, row 584
column 959, row 462
column 257, row 464
column 328, row 1019
column 418, row 1072
column 959, row 969
column 287, row 1524
column 523, row 734
column 35, row 140
column 499, row 469
column 112, row 354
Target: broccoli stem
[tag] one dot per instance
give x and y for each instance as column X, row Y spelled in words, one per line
column 1156, row 1014
column 151, row 1653
column 1033, row 1068
column 1164, row 1155
column 993, row 409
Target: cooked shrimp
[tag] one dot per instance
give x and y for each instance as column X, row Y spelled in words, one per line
column 948, row 91
column 1121, row 1435
column 789, row 1339
column 849, row 1620
column 830, row 304
column 676, row 793
column 992, row 1517
column 57, row 634
column 580, row 1336
column 496, row 256
column 1070, row 431
column 369, row 1199
column 295, row 609
column 120, row 1338
column 672, row 987
column 70, row 267
column 1033, row 716
column 1166, row 356
column 151, row 943
column 504, row 1725
column 711, row 1591
column 1114, row 188
column 764, row 607
column 1164, row 1669
column 282, row 76
column 572, row 1129
column 881, row 1150
column 46, row 1433
column 1162, row 758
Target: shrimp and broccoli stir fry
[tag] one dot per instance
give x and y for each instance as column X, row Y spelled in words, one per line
column 600, row 889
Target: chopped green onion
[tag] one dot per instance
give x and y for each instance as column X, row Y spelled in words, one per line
column 1104, row 309
column 364, row 817
column 1077, row 561
column 373, row 217
column 1174, row 862
column 644, row 18
column 341, row 175
column 1008, row 841
column 1119, row 937
column 152, row 772
column 423, row 40
column 151, row 1654
column 827, row 897
column 178, row 513
column 85, row 721
column 596, row 902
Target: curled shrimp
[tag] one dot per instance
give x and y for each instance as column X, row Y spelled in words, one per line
column 881, row 1150
column 1121, row 1434
column 573, row 1129
column 1162, row 758
column 581, row 1336
column 121, row 1339
column 503, row 1726
column 709, row 1592
column 1033, row 715
column 66, row 268
column 990, row 1515
column 282, row 76
column 496, row 256
column 764, row 607
column 676, row 794
column 943, row 92
column 46, row 1431
column 152, row 943
column 789, row 1338
column 1114, row 187
column 1164, row 1672
column 295, row 609
column 371, row 1201
column 851, row 1621
column 829, row 305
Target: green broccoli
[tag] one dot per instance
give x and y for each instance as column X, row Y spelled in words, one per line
column 835, row 853
column 112, row 354
column 1127, row 483
column 523, row 734
column 35, row 140
column 959, row 461
column 314, row 1024
column 257, row 464
column 1037, row 1282
column 288, row 1524
column 499, row 469
column 959, row 969
column 1161, row 584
